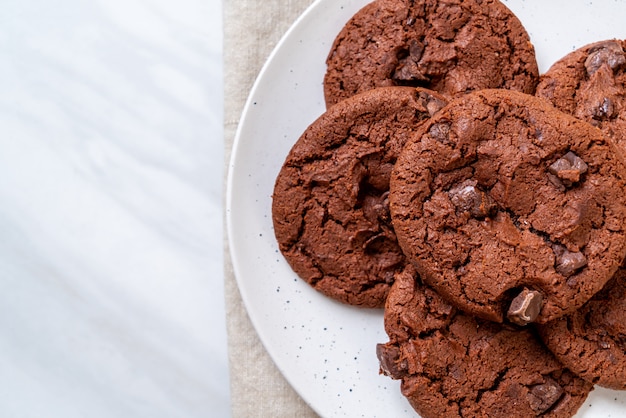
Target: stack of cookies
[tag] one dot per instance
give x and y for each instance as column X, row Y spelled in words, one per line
column 479, row 204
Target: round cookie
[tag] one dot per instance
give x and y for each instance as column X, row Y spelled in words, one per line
column 592, row 341
column 590, row 83
column 450, row 46
column 508, row 207
column 454, row 365
column 330, row 208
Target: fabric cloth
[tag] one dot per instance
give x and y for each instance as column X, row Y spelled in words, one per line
column 251, row 30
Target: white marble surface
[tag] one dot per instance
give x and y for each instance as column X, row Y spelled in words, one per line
column 111, row 290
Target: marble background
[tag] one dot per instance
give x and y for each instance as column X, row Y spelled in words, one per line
column 111, row 284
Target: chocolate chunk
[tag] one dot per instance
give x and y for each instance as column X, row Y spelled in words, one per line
column 544, row 395
column 525, row 307
column 431, row 103
column 408, row 71
column 609, row 53
column 440, row 131
column 408, row 58
column 388, row 356
column 376, row 208
column 567, row 262
column 467, row 196
column 568, row 168
column 605, row 110
column 416, row 49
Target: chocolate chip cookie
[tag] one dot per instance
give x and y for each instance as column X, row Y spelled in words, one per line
column 450, row 46
column 508, row 207
column 330, row 203
column 590, row 83
column 592, row 341
column 454, row 365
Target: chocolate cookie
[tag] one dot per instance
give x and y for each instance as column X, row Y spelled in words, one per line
column 450, row 46
column 330, row 207
column 508, row 207
column 590, row 83
column 454, row 365
column 592, row 341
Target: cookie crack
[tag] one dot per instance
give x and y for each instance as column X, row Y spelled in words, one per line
column 545, row 236
column 517, row 222
column 312, row 280
column 494, row 385
column 300, row 232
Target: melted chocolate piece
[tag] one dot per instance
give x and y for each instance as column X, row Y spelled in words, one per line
column 543, row 396
column 467, row 196
column 609, row 53
column 525, row 307
column 567, row 262
column 408, row 69
column 390, row 364
column 569, row 168
column 440, row 131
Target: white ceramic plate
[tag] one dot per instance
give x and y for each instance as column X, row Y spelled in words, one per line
column 326, row 350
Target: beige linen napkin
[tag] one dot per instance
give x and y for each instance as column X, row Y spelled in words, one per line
column 251, row 30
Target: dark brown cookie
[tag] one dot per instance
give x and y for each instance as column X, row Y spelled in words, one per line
column 590, row 83
column 330, row 208
column 450, row 46
column 454, row 365
column 508, row 207
column 592, row 341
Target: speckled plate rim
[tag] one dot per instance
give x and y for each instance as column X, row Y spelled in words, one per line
column 326, row 350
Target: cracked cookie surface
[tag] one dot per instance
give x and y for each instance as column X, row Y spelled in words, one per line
column 454, row 365
column 592, row 341
column 330, row 204
column 590, row 83
column 508, row 207
column 450, row 46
